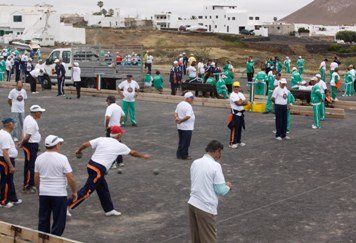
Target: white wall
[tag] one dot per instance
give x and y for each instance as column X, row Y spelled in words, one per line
column 315, row 30
column 99, row 20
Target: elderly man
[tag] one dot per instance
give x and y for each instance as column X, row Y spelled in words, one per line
column 32, row 79
column 106, row 152
column 30, row 141
column 61, row 76
column 280, row 99
column 207, row 183
column 185, row 119
column 316, row 99
column 296, row 77
column 52, row 173
column 175, row 77
column 16, row 100
column 323, row 91
column 300, row 64
column 8, row 154
column 41, row 66
column 237, row 121
column 127, row 91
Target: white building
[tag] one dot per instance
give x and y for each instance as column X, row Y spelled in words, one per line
column 114, row 21
column 38, row 23
column 324, row 30
column 216, row 18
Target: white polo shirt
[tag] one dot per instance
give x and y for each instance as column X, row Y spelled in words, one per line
column 322, row 86
column 30, row 126
column 280, row 95
column 52, row 168
column 35, row 73
column 76, row 74
column 236, row 97
column 192, row 72
column 204, row 173
column 333, row 65
column 185, row 109
column 115, row 112
column 6, row 142
column 129, row 90
column 335, row 76
column 323, row 65
column 107, row 150
column 41, row 67
column 18, row 100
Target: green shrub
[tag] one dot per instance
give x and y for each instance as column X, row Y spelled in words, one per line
column 303, row 30
column 347, row 36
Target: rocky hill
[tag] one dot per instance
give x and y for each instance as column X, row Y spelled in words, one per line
column 325, row 12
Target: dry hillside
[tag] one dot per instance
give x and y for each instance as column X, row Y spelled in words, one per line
column 325, row 12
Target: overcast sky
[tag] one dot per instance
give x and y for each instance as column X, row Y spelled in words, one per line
column 145, row 8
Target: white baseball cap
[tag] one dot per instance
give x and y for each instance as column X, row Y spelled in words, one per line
column 52, row 140
column 189, row 95
column 175, row 62
column 36, row 108
column 318, row 75
column 57, row 60
column 283, row 81
column 76, row 64
column 294, row 69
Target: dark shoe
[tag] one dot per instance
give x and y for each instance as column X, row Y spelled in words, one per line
column 134, row 124
column 266, row 112
column 188, row 158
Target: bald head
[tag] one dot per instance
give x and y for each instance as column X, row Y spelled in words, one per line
column 19, row 85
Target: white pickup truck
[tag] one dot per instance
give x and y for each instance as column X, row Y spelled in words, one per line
column 94, row 61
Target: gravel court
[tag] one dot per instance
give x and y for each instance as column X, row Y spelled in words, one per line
column 297, row 190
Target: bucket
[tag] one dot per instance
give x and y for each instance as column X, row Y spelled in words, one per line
column 258, row 107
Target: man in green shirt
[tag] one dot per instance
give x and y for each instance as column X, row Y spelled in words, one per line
column 349, row 82
column 229, row 79
column 158, row 82
column 296, row 77
column 250, row 69
column 260, row 79
column 316, row 99
column 300, row 65
column 290, row 102
column 287, row 65
column 271, row 86
column 2, row 68
column 279, row 65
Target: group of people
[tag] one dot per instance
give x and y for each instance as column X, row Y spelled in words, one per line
column 49, row 173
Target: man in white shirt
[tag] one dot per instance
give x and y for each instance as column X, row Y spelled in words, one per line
column 192, row 71
column 324, row 91
column 237, row 117
column 114, row 116
column 16, row 100
column 280, row 99
column 149, row 62
column 52, row 174
column 8, row 154
column 207, row 183
column 8, row 65
column 76, row 76
column 41, row 66
column 185, row 119
column 333, row 66
column 322, row 69
column 32, row 79
column 106, row 152
column 127, row 91
column 31, row 139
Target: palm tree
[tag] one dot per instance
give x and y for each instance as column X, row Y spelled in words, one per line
column 100, row 4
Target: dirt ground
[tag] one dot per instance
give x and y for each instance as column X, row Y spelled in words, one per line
column 302, row 190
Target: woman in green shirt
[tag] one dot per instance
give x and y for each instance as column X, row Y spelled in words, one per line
column 158, row 82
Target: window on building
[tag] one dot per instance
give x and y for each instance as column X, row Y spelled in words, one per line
column 17, row 18
column 278, row 28
column 233, row 18
column 216, row 16
column 216, row 26
column 225, row 16
column 228, row 18
column 257, row 18
column 210, row 16
column 200, row 17
column 206, row 17
column 250, row 18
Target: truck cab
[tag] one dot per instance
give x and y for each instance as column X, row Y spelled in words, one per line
column 64, row 54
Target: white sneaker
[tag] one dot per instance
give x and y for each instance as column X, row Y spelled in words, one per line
column 274, row 131
column 68, row 213
column 121, row 165
column 112, row 213
column 288, row 132
column 233, row 146
column 114, row 166
column 287, row 138
column 19, row 201
column 336, row 99
column 314, row 127
column 242, row 144
column 8, row 205
column 33, row 92
column 279, row 138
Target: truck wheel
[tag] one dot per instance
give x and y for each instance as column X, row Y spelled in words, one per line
column 47, row 82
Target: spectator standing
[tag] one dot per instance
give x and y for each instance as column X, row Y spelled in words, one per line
column 52, row 174
column 185, row 119
column 207, row 183
column 76, row 72
column 280, row 99
column 41, row 77
column 127, row 91
column 175, row 77
column 61, row 75
column 16, row 100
